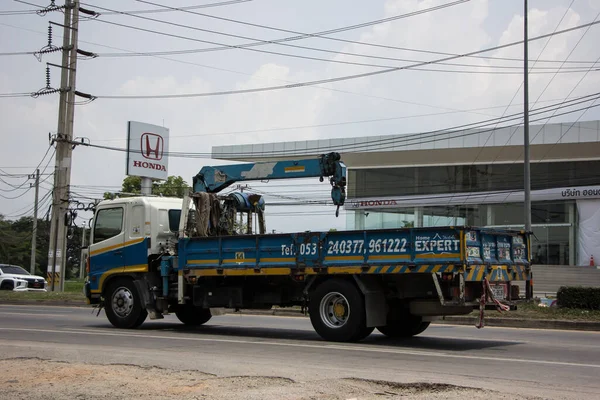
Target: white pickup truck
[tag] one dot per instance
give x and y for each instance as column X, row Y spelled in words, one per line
column 13, row 277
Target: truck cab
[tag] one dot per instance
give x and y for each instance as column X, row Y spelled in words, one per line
column 127, row 235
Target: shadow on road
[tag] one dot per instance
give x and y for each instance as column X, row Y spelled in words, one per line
column 423, row 342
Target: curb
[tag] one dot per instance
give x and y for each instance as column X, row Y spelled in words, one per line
column 449, row 320
column 524, row 323
column 456, row 320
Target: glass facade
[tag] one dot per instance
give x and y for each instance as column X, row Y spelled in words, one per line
column 379, row 182
column 553, row 223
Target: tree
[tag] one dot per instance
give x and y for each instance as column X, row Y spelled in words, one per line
column 174, row 186
column 15, row 243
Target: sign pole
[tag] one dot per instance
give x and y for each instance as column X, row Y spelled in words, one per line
column 146, row 186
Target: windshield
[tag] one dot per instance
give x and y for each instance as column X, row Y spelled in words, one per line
column 13, row 269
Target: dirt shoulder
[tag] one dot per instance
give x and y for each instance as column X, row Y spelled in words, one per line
column 44, row 379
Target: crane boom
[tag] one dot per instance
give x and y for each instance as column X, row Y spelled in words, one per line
column 215, row 179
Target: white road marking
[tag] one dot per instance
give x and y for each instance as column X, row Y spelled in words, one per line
column 23, row 314
column 314, row 346
column 38, row 307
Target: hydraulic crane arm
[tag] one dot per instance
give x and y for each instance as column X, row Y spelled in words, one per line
column 215, row 179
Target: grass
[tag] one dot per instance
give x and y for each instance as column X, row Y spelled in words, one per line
column 530, row 310
column 74, row 286
column 73, row 294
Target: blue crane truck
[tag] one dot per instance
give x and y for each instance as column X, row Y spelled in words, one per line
column 153, row 256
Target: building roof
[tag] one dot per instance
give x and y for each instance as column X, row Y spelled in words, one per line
column 549, row 142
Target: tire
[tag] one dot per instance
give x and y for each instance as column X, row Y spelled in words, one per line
column 399, row 330
column 123, row 305
column 7, row 285
column 402, row 324
column 337, row 312
column 193, row 316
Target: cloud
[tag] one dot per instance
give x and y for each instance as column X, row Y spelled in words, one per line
column 195, row 122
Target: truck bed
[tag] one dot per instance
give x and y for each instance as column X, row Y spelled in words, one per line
column 498, row 255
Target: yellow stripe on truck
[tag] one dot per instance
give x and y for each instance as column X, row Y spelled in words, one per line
column 116, row 246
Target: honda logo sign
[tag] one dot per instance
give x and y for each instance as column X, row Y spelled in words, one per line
column 152, row 146
column 147, row 147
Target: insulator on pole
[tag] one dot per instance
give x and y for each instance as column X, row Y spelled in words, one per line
column 49, row 35
column 47, row 76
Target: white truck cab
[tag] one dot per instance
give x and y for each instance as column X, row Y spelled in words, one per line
column 126, row 232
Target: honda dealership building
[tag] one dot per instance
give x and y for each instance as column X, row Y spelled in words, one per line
column 468, row 177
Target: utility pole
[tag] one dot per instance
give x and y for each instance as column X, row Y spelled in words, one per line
column 62, row 174
column 35, row 219
column 526, row 151
column 69, row 127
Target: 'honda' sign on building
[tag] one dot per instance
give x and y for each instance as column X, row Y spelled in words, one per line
column 147, row 150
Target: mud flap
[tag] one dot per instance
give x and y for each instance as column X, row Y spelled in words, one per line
column 375, row 304
column 147, row 299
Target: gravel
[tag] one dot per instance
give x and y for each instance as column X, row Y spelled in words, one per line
column 31, row 378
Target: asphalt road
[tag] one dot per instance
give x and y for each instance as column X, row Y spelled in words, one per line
column 549, row 364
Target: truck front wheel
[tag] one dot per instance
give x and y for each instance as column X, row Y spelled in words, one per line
column 123, row 305
column 193, row 316
column 337, row 311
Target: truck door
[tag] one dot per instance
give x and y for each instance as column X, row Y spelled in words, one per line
column 106, row 248
column 135, row 252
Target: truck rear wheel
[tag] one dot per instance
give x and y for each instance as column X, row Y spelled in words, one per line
column 337, row 312
column 193, row 316
column 403, row 330
column 123, row 305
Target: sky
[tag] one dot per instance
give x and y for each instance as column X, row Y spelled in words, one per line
column 411, row 100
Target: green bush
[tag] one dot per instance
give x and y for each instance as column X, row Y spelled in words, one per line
column 579, row 297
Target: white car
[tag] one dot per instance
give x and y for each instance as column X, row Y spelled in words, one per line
column 13, row 277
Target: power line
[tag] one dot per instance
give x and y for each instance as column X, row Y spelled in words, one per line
column 394, row 141
column 162, row 10
column 254, row 76
column 288, row 45
column 260, row 77
column 417, row 197
column 20, row 187
column 568, row 56
column 18, row 53
column 280, row 41
column 12, row 95
column 569, row 94
column 236, row 46
column 322, row 34
column 297, row 127
column 42, row 203
column 340, row 78
column 522, row 82
column 584, row 110
column 16, row 12
column 178, row 52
